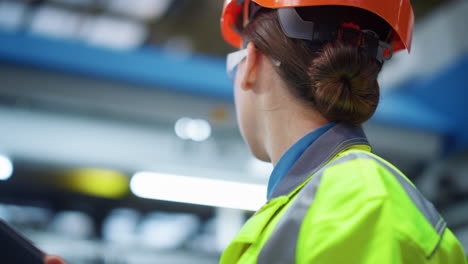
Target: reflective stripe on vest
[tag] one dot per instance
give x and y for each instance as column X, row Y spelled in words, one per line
column 281, row 245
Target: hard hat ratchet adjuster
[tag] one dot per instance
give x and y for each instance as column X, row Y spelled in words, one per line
column 318, row 34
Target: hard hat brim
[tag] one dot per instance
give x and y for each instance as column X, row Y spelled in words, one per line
column 398, row 14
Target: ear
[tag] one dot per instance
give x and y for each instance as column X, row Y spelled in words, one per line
column 251, row 67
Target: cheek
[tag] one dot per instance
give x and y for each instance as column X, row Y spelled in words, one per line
column 245, row 115
column 246, row 120
column 239, row 102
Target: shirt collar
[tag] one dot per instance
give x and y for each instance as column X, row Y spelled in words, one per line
column 311, row 153
column 291, row 155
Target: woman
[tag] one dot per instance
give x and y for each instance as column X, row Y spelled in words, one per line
column 305, row 78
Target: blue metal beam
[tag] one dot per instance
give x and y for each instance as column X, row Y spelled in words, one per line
column 436, row 103
column 152, row 67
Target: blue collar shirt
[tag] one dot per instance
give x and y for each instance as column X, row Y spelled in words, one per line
column 292, row 155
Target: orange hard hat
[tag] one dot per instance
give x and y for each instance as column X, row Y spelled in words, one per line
column 397, row 13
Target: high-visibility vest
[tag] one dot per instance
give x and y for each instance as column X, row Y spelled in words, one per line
column 352, row 207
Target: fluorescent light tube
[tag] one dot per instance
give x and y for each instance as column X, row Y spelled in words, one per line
column 203, row 191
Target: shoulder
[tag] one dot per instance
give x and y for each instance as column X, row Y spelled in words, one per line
column 357, row 180
column 364, row 201
column 357, row 176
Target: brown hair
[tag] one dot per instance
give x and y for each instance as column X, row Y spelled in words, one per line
column 338, row 79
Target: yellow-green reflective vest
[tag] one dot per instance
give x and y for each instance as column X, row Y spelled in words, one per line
column 353, row 207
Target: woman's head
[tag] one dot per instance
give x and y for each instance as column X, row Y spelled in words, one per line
column 338, row 79
column 327, row 58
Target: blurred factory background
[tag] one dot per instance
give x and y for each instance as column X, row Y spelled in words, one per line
column 118, row 139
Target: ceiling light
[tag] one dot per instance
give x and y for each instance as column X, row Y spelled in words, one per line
column 6, row 168
column 203, row 191
column 194, row 129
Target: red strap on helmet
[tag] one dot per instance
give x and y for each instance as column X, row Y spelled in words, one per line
column 351, row 25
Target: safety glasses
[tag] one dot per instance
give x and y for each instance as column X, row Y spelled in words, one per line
column 232, row 61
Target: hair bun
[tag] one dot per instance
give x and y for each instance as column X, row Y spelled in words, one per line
column 344, row 83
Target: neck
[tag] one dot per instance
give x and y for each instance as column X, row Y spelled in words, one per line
column 284, row 128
